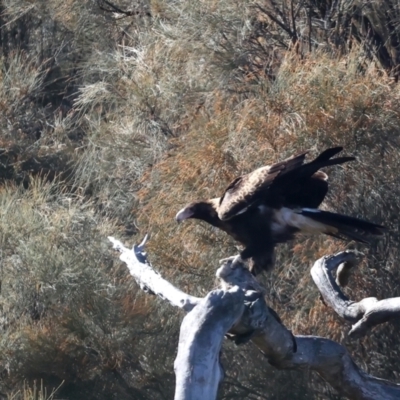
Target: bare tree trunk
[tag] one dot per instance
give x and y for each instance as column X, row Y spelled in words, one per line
column 239, row 311
column 197, row 367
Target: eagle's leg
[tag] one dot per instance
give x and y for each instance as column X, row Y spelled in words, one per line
column 236, row 261
column 261, row 258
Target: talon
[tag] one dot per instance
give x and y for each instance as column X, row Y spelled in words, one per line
column 237, row 262
column 226, row 260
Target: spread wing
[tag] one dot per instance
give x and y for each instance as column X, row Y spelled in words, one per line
column 289, row 183
column 246, row 190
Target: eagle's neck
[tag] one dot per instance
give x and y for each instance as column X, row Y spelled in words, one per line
column 207, row 211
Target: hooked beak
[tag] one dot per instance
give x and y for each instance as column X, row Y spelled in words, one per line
column 183, row 214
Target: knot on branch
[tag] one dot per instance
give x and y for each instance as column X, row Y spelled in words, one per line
column 139, row 250
column 256, row 315
column 233, row 272
column 347, row 260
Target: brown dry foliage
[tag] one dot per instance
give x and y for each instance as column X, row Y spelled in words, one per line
column 312, row 104
column 125, row 119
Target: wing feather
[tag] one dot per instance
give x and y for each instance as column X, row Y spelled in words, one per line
column 246, row 190
column 288, row 183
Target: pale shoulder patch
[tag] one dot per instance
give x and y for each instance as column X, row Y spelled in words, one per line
column 320, row 175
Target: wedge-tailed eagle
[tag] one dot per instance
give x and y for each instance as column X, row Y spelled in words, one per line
column 273, row 203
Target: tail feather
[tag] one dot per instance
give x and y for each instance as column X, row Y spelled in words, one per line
column 346, row 227
column 323, row 160
column 333, row 161
column 312, row 167
column 328, row 153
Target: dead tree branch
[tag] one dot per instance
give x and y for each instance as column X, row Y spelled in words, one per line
column 149, row 280
column 363, row 314
column 239, row 309
column 197, row 367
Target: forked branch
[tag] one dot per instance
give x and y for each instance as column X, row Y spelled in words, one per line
column 239, row 310
column 363, row 314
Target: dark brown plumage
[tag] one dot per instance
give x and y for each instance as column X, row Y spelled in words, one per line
column 272, row 203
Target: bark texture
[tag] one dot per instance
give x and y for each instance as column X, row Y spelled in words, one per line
column 197, row 367
column 363, row 314
column 239, row 311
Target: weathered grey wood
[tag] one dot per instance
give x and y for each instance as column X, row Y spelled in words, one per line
column 240, row 308
column 326, row 357
column 150, row 280
column 334, row 364
column 365, row 313
column 197, row 368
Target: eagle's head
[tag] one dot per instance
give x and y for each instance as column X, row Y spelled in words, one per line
column 203, row 210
